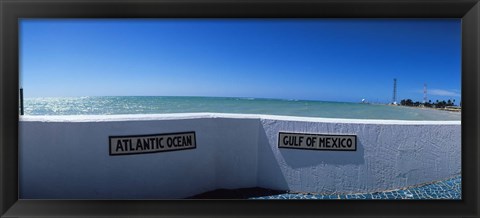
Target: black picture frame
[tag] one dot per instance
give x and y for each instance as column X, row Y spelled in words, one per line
column 12, row 10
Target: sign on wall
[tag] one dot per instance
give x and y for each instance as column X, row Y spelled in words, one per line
column 138, row 144
column 317, row 141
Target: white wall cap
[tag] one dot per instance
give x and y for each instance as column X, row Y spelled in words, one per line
column 181, row 116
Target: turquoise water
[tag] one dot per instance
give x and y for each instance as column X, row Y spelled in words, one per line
column 447, row 189
column 160, row 105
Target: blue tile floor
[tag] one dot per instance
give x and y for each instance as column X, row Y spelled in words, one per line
column 446, row 189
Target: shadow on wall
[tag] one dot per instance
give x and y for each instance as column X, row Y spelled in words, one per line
column 297, row 158
column 304, row 170
column 269, row 173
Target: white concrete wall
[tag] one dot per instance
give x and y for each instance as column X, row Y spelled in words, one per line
column 65, row 157
column 389, row 155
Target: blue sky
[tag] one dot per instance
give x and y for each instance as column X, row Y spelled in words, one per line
column 314, row 59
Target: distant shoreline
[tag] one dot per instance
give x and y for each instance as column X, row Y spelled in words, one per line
column 455, row 110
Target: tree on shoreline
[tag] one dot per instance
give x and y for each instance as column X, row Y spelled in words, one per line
column 437, row 104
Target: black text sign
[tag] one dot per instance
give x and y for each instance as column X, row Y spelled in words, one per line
column 136, row 144
column 317, row 141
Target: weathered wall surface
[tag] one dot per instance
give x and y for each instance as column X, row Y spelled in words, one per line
column 68, row 157
column 388, row 156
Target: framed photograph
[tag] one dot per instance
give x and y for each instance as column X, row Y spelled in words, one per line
column 219, row 108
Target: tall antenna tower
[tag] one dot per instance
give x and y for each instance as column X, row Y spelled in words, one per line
column 425, row 93
column 394, row 100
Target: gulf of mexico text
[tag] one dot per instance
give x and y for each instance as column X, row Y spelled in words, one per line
column 317, row 141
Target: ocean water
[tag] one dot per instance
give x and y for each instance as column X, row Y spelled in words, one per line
column 161, row 105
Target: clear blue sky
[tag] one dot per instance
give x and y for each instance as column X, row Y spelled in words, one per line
column 317, row 59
